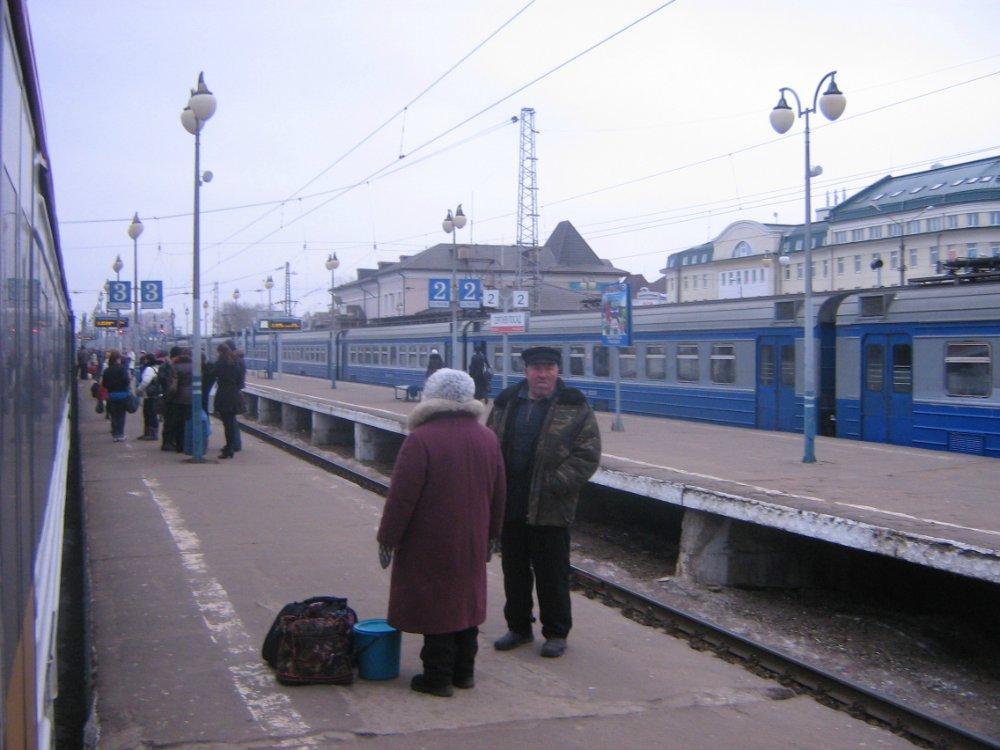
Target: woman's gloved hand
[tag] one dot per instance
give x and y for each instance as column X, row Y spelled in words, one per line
column 384, row 556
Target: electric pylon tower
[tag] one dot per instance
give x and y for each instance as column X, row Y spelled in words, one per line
column 528, row 272
column 288, row 289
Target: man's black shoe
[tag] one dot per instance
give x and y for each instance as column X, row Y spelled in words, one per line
column 419, row 683
column 465, row 683
column 554, row 647
column 510, row 640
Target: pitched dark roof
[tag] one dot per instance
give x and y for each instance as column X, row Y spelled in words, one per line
column 568, row 248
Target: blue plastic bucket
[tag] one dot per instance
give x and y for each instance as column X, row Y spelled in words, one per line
column 376, row 648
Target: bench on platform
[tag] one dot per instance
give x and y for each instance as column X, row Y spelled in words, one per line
column 408, row 392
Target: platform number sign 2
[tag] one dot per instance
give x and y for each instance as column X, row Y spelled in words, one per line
column 439, row 292
column 469, row 293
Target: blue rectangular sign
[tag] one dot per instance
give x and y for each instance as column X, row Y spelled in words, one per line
column 119, row 295
column 152, row 295
column 616, row 316
column 439, row 292
column 470, row 293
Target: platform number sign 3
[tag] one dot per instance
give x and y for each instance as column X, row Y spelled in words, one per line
column 119, row 295
column 438, row 292
column 152, row 295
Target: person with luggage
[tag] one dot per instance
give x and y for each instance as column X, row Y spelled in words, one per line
column 443, row 514
column 116, row 381
column 551, row 447
column 148, row 390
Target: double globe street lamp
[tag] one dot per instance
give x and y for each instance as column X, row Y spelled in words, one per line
column 200, row 107
column 450, row 225
column 832, row 105
column 134, row 230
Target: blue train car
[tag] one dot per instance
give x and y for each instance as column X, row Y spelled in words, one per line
column 917, row 366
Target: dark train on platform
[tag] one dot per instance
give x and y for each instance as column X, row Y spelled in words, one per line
column 36, row 356
column 912, row 365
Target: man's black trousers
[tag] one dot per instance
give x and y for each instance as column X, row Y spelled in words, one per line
column 536, row 556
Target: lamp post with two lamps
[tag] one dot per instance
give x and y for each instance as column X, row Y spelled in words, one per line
column 831, row 104
column 200, row 107
column 451, row 224
column 134, row 230
column 332, row 264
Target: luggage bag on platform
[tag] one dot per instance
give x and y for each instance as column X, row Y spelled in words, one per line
column 311, row 642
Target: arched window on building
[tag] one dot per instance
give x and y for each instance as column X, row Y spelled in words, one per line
column 742, row 249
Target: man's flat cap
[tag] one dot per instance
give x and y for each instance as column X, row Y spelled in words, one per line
column 541, row 355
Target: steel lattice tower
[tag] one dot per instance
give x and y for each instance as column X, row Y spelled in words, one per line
column 528, row 273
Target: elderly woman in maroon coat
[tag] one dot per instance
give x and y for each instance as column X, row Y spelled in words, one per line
column 444, row 510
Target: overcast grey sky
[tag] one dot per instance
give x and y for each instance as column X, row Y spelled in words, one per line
column 650, row 143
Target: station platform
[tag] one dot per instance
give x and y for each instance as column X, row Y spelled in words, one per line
column 189, row 564
column 932, row 508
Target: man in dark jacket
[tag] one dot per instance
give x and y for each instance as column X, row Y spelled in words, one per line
column 552, row 446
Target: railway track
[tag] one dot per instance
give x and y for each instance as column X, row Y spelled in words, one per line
column 829, row 689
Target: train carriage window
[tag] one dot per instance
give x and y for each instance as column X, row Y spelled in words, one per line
column 602, row 361
column 516, row 363
column 626, row 362
column 766, row 364
column 723, row 363
column 968, row 369
column 902, row 368
column 874, row 367
column 425, row 353
column 788, row 366
column 687, row 363
column 392, row 354
column 656, row 362
column 577, row 359
column 498, row 363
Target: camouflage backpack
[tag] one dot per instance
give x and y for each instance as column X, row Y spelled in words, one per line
column 312, row 642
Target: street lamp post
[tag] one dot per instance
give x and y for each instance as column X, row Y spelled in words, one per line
column 200, row 107
column 451, row 224
column 134, row 230
column 205, row 305
column 831, row 104
column 332, row 264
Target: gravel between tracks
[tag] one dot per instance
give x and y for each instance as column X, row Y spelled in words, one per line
column 929, row 660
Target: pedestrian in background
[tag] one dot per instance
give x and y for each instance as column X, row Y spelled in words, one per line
column 481, row 372
column 551, row 447
column 444, row 509
column 116, row 381
column 229, row 381
column 178, row 409
column 434, row 363
column 82, row 360
column 148, row 391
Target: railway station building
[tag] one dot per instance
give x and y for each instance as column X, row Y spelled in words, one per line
column 569, row 276
column 893, row 230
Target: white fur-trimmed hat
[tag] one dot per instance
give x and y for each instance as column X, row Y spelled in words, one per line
column 451, row 385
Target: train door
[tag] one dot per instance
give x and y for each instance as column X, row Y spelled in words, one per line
column 776, row 383
column 887, row 388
